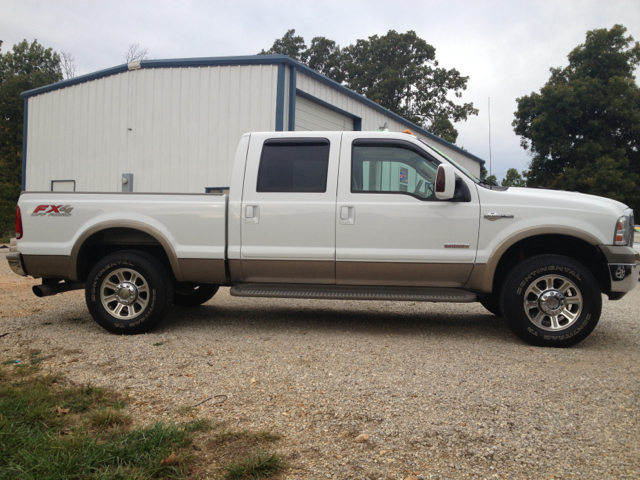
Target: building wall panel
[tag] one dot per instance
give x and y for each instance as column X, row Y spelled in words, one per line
column 175, row 129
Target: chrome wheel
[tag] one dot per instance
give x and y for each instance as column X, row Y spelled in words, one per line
column 553, row 303
column 124, row 293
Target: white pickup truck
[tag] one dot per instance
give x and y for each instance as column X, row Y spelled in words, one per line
column 336, row 215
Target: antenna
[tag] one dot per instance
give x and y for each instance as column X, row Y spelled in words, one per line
column 489, row 103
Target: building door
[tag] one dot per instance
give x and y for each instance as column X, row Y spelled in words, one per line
column 311, row 116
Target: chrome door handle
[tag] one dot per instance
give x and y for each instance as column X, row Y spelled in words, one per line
column 347, row 215
column 251, row 214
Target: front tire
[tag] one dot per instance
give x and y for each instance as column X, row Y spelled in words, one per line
column 129, row 292
column 551, row 301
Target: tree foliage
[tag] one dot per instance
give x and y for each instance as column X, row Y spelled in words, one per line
column 397, row 70
column 583, row 128
column 513, row 179
column 27, row 66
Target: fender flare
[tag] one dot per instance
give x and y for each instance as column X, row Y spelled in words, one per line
column 131, row 224
column 481, row 278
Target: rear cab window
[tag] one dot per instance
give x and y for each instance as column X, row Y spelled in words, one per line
column 294, row 165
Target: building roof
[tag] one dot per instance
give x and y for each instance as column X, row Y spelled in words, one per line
column 248, row 60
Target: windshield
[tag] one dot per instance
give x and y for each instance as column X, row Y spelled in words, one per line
column 456, row 164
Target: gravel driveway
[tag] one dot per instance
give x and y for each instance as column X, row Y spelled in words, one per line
column 442, row 390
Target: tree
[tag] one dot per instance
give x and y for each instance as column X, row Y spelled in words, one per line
column 397, row 70
column 134, row 52
column 513, row 179
column 583, row 128
column 67, row 64
column 326, row 57
column 27, row 66
column 290, row 45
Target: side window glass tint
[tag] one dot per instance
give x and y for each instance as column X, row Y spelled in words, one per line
column 294, row 166
column 391, row 168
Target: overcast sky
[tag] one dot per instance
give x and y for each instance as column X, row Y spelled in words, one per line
column 505, row 47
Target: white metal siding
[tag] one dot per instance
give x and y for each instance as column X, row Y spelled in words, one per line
column 175, row 129
column 311, row 116
column 372, row 119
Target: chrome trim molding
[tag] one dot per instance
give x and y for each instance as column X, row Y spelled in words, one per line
column 624, row 277
column 496, row 216
column 15, row 263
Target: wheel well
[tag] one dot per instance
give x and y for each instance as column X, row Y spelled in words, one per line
column 579, row 250
column 111, row 240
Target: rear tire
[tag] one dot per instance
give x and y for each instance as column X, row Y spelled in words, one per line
column 551, row 301
column 129, row 292
column 196, row 296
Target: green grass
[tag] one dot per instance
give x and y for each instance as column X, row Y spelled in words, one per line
column 53, row 430
column 225, row 436
column 48, row 430
column 255, row 466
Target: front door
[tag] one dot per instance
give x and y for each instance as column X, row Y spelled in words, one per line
column 391, row 230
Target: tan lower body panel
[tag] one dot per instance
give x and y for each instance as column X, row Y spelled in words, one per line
column 47, row 266
column 202, row 270
column 288, row 271
column 453, row 275
column 479, row 281
column 235, row 271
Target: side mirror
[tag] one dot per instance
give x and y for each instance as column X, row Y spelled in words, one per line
column 445, row 182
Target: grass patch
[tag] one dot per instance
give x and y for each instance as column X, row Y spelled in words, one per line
column 255, row 466
column 107, row 418
column 52, row 430
column 225, row 436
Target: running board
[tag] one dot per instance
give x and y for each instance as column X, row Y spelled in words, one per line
column 349, row 292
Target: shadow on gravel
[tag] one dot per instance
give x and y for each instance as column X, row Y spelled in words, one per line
column 315, row 319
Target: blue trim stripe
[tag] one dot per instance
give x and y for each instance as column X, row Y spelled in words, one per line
column 74, row 81
column 280, row 60
column 280, row 99
column 24, row 143
column 292, row 99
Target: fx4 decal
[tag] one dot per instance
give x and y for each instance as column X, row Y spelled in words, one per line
column 52, row 211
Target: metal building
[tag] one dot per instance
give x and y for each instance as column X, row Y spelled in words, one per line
column 173, row 125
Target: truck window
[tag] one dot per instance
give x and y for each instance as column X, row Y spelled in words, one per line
column 296, row 165
column 392, row 168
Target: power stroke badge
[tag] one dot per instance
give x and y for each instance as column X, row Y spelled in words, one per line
column 52, row 211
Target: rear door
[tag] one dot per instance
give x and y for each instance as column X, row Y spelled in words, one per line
column 288, row 223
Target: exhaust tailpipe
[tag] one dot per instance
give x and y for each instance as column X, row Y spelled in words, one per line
column 49, row 288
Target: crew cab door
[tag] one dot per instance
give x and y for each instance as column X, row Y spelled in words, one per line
column 391, row 230
column 288, row 218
